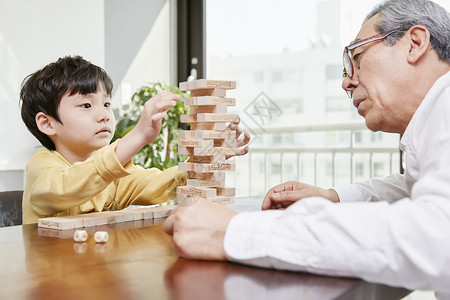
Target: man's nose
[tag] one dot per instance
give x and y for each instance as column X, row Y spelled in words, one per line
column 349, row 84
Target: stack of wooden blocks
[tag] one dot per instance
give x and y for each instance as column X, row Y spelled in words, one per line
column 208, row 141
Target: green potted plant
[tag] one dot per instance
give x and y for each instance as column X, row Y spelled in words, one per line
column 163, row 152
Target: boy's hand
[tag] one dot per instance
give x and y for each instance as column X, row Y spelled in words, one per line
column 149, row 125
column 241, row 150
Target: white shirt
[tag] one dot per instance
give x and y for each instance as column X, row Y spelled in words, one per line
column 394, row 231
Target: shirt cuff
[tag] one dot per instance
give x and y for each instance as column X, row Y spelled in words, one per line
column 252, row 242
column 349, row 193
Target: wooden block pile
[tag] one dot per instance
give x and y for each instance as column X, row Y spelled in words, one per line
column 105, row 217
column 208, row 141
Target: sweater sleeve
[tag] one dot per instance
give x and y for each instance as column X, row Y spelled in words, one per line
column 149, row 186
column 53, row 185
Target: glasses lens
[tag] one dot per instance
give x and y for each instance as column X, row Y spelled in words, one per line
column 347, row 64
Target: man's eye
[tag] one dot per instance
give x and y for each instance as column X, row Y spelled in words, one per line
column 355, row 57
column 107, row 104
column 86, row 105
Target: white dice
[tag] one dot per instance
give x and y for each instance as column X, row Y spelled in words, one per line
column 101, row 236
column 80, row 236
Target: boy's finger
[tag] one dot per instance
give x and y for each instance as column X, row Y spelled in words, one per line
column 168, row 96
column 164, row 105
column 159, row 116
column 244, row 141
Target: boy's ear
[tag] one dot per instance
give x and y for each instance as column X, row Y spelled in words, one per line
column 45, row 124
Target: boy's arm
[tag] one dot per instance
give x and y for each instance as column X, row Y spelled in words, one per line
column 149, row 186
column 148, row 126
column 52, row 185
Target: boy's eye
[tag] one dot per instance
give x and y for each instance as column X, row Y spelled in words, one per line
column 86, row 105
column 107, row 104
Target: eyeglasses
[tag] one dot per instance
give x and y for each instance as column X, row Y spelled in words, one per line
column 347, row 56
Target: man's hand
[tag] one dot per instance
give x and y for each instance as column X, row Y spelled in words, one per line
column 241, row 150
column 198, row 230
column 283, row 195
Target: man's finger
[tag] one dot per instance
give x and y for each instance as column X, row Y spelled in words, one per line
column 286, row 196
column 168, row 224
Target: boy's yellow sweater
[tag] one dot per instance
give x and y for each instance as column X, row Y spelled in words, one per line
column 54, row 187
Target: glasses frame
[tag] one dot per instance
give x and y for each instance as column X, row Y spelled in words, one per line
column 346, row 56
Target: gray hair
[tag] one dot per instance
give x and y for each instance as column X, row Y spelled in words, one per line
column 403, row 14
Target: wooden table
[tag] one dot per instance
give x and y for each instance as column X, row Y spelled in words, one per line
column 139, row 262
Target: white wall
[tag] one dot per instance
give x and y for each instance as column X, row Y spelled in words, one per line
column 34, row 33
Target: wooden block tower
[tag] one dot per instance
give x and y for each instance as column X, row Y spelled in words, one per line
column 208, row 142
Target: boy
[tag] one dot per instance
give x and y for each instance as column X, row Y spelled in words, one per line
column 66, row 106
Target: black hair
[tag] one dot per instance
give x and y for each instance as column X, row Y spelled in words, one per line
column 43, row 90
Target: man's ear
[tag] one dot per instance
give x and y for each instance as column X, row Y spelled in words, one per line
column 419, row 42
column 45, row 124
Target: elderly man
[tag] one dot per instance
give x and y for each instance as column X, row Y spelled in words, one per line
column 394, row 230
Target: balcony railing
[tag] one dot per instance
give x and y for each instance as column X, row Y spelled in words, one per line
column 390, row 159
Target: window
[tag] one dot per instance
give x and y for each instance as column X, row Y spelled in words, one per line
column 277, row 76
column 341, row 103
column 259, row 77
column 333, row 72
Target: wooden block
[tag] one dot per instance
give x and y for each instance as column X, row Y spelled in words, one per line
column 162, row 211
column 60, row 223
column 185, row 150
column 205, row 160
column 207, row 84
column 209, row 100
column 185, row 200
column 186, row 134
column 186, row 166
column 121, row 218
column 147, row 212
column 86, row 221
column 225, row 191
column 208, row 126
column 215, row 134
column 135, row 213
column 219, row 109
column 215, row 151
column 217, row 199
column 207, row 175
column 205, row 168
column 189, row 118
column 61, row 234
column 211, row 117
column 195, row 143
column 205, row 183
column 225, row 143
column 195, row 191
column 209, row 92
column 222, row 199
column 198, row 151
column 100, row 218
